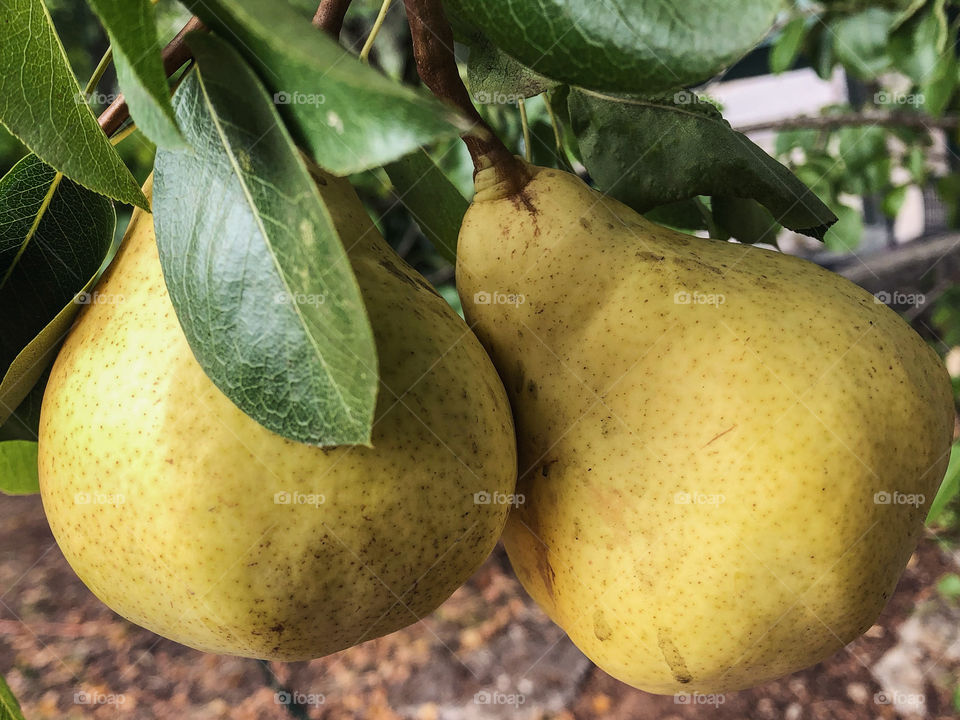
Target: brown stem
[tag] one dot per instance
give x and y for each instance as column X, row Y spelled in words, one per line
column 917, row 121
column 330, row 14
column 175, row 54
column 433, row 51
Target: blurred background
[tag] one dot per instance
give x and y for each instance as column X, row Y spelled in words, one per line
column 846, row 94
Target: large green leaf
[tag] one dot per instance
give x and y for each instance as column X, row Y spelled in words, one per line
column 861, row 41
column 136, row 52
column 648, row 152
column 9, row 707
column 41, row 103
column 949, row 488
column 623, row 45
column 257, row 273
column 432, row 199
column 350, row 117
column 54, row 236
column 495, row 78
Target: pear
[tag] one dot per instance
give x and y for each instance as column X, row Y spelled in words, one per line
column 726, row 453
column 187, row 517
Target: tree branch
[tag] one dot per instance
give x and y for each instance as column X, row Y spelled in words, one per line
column 330, row 14
column 433, row 52
column 175, row 54
column 917, row 121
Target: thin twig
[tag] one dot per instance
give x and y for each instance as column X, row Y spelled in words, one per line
column 917, row 121
column 175, row 54
column 433, row 51
column 330, row 14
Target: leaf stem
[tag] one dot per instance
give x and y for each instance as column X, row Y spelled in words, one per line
column 433, row 51
column 372, row 37
column 99, row 70
column 525, row 124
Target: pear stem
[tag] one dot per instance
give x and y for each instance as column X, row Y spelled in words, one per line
column 437, row 66
column 330, row 15
column 175, row 54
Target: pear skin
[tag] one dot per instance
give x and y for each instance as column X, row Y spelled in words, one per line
column 187, row 517
column 726, row 453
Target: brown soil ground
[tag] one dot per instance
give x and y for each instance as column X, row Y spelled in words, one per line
column 489, row 652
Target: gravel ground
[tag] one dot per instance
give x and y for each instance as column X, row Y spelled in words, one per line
column 488, row 652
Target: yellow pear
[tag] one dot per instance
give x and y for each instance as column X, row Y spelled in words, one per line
column 726, row 453
column 187, row 517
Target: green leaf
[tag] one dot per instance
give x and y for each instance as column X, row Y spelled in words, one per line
column 745, row 219
column 917, row 45
column 640, row 46
column 652, row 151
column 41, row 103
column 433, row 201
column 18, row 468
column 939, row 87
column 9, row 707
column 861, row 41
column 349, row 116
column 495, row 78
column 140, row 74
column 785, row 50
column 24, row 422
column 261, row 283
column 949, row 585
column 948, row 488
column 893, row 201
column 845, row 235
column 54, row 236
column 684, row 215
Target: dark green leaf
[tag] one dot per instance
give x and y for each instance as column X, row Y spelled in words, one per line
column 350, row 117
column 641, row 46
column 41, row 103
column 257, row 273
column 140, row 73
column 433, row 201
column 861, row 42
column 9, row 707
column 745, row 219
column 18, row 471
column 54, row 236
column 496, row 78
column 652, row 151
column 683, row 215
column 24, row 423
column 787, row 47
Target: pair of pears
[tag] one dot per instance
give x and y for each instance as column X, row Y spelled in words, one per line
column 725, row 453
